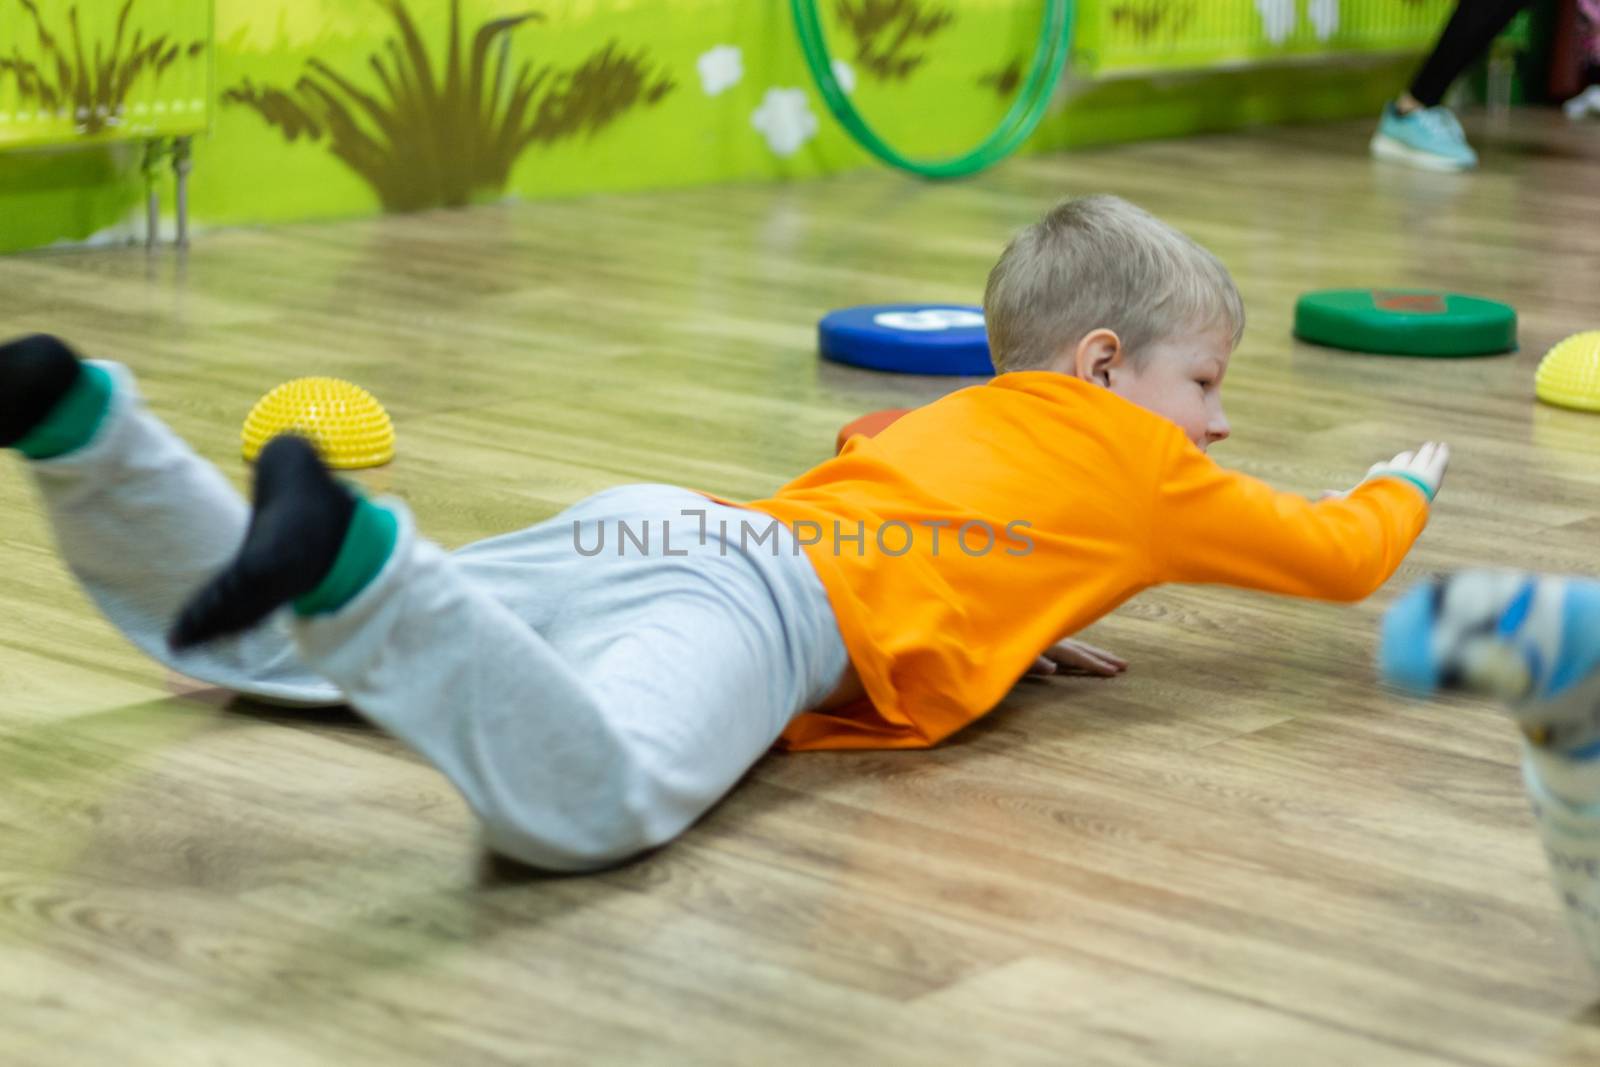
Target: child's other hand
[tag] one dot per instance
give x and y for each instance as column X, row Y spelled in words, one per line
column 1075, row 657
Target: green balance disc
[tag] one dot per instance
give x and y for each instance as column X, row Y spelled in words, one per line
column 1406, row 322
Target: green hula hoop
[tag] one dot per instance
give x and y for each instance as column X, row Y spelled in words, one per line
column 1018, row 124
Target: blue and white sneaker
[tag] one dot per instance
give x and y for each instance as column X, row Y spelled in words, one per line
column 1429, row 138
column 1531, row 640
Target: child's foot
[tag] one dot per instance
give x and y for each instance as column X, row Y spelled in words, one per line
column 1531, row 640
column 1427, row 137
column 36, row 372
column 296, row 532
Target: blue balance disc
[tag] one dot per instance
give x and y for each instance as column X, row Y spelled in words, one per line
column 908, row 339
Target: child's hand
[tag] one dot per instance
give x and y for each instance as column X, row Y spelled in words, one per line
column 1423, row 468
column 1075, row 657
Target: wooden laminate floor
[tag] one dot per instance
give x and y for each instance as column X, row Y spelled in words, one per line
column 1241, row 852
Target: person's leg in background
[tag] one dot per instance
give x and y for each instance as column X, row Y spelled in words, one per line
column 1416, row 128
column 1534, row 642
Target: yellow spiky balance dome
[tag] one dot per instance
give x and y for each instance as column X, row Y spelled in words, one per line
column 1569, row 374
column 346, row 423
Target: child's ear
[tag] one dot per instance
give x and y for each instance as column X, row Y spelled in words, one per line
column 1098, row 352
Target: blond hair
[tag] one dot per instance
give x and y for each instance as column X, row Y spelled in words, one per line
column 1100, row 262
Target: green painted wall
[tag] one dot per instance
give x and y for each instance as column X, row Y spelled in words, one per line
column 331, row 108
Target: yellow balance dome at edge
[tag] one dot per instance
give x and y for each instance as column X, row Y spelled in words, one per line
column 1569, row 374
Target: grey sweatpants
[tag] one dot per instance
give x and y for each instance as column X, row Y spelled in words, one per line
column 588, row 705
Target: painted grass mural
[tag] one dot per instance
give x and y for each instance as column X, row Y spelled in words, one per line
column 87, row 75
column 438, row 131
column 342, row 108
column 1147, row 19
column 887, row 33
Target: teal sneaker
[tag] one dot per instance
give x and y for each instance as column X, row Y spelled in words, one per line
column 1429, row 137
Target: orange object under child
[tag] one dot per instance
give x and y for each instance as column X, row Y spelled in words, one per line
column 871, row 424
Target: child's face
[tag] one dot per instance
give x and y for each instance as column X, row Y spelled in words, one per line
column 1180, row 380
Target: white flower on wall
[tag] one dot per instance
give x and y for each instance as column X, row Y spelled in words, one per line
column 1324, row 15
column 1277, row 19
column 844, row 75
column 785, row 119
column 720, row 69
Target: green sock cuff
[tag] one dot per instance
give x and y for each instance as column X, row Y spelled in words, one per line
column 72, row 423
column 368, row 544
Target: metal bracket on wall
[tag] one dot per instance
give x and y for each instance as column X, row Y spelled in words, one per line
column 178, row 149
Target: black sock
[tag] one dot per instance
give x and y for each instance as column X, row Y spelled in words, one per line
column 296, row 532
column 36, row 372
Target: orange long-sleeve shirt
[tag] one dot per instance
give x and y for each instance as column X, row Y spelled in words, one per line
column 1071, row 500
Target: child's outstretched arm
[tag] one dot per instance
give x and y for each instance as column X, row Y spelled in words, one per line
column 1214, row 525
